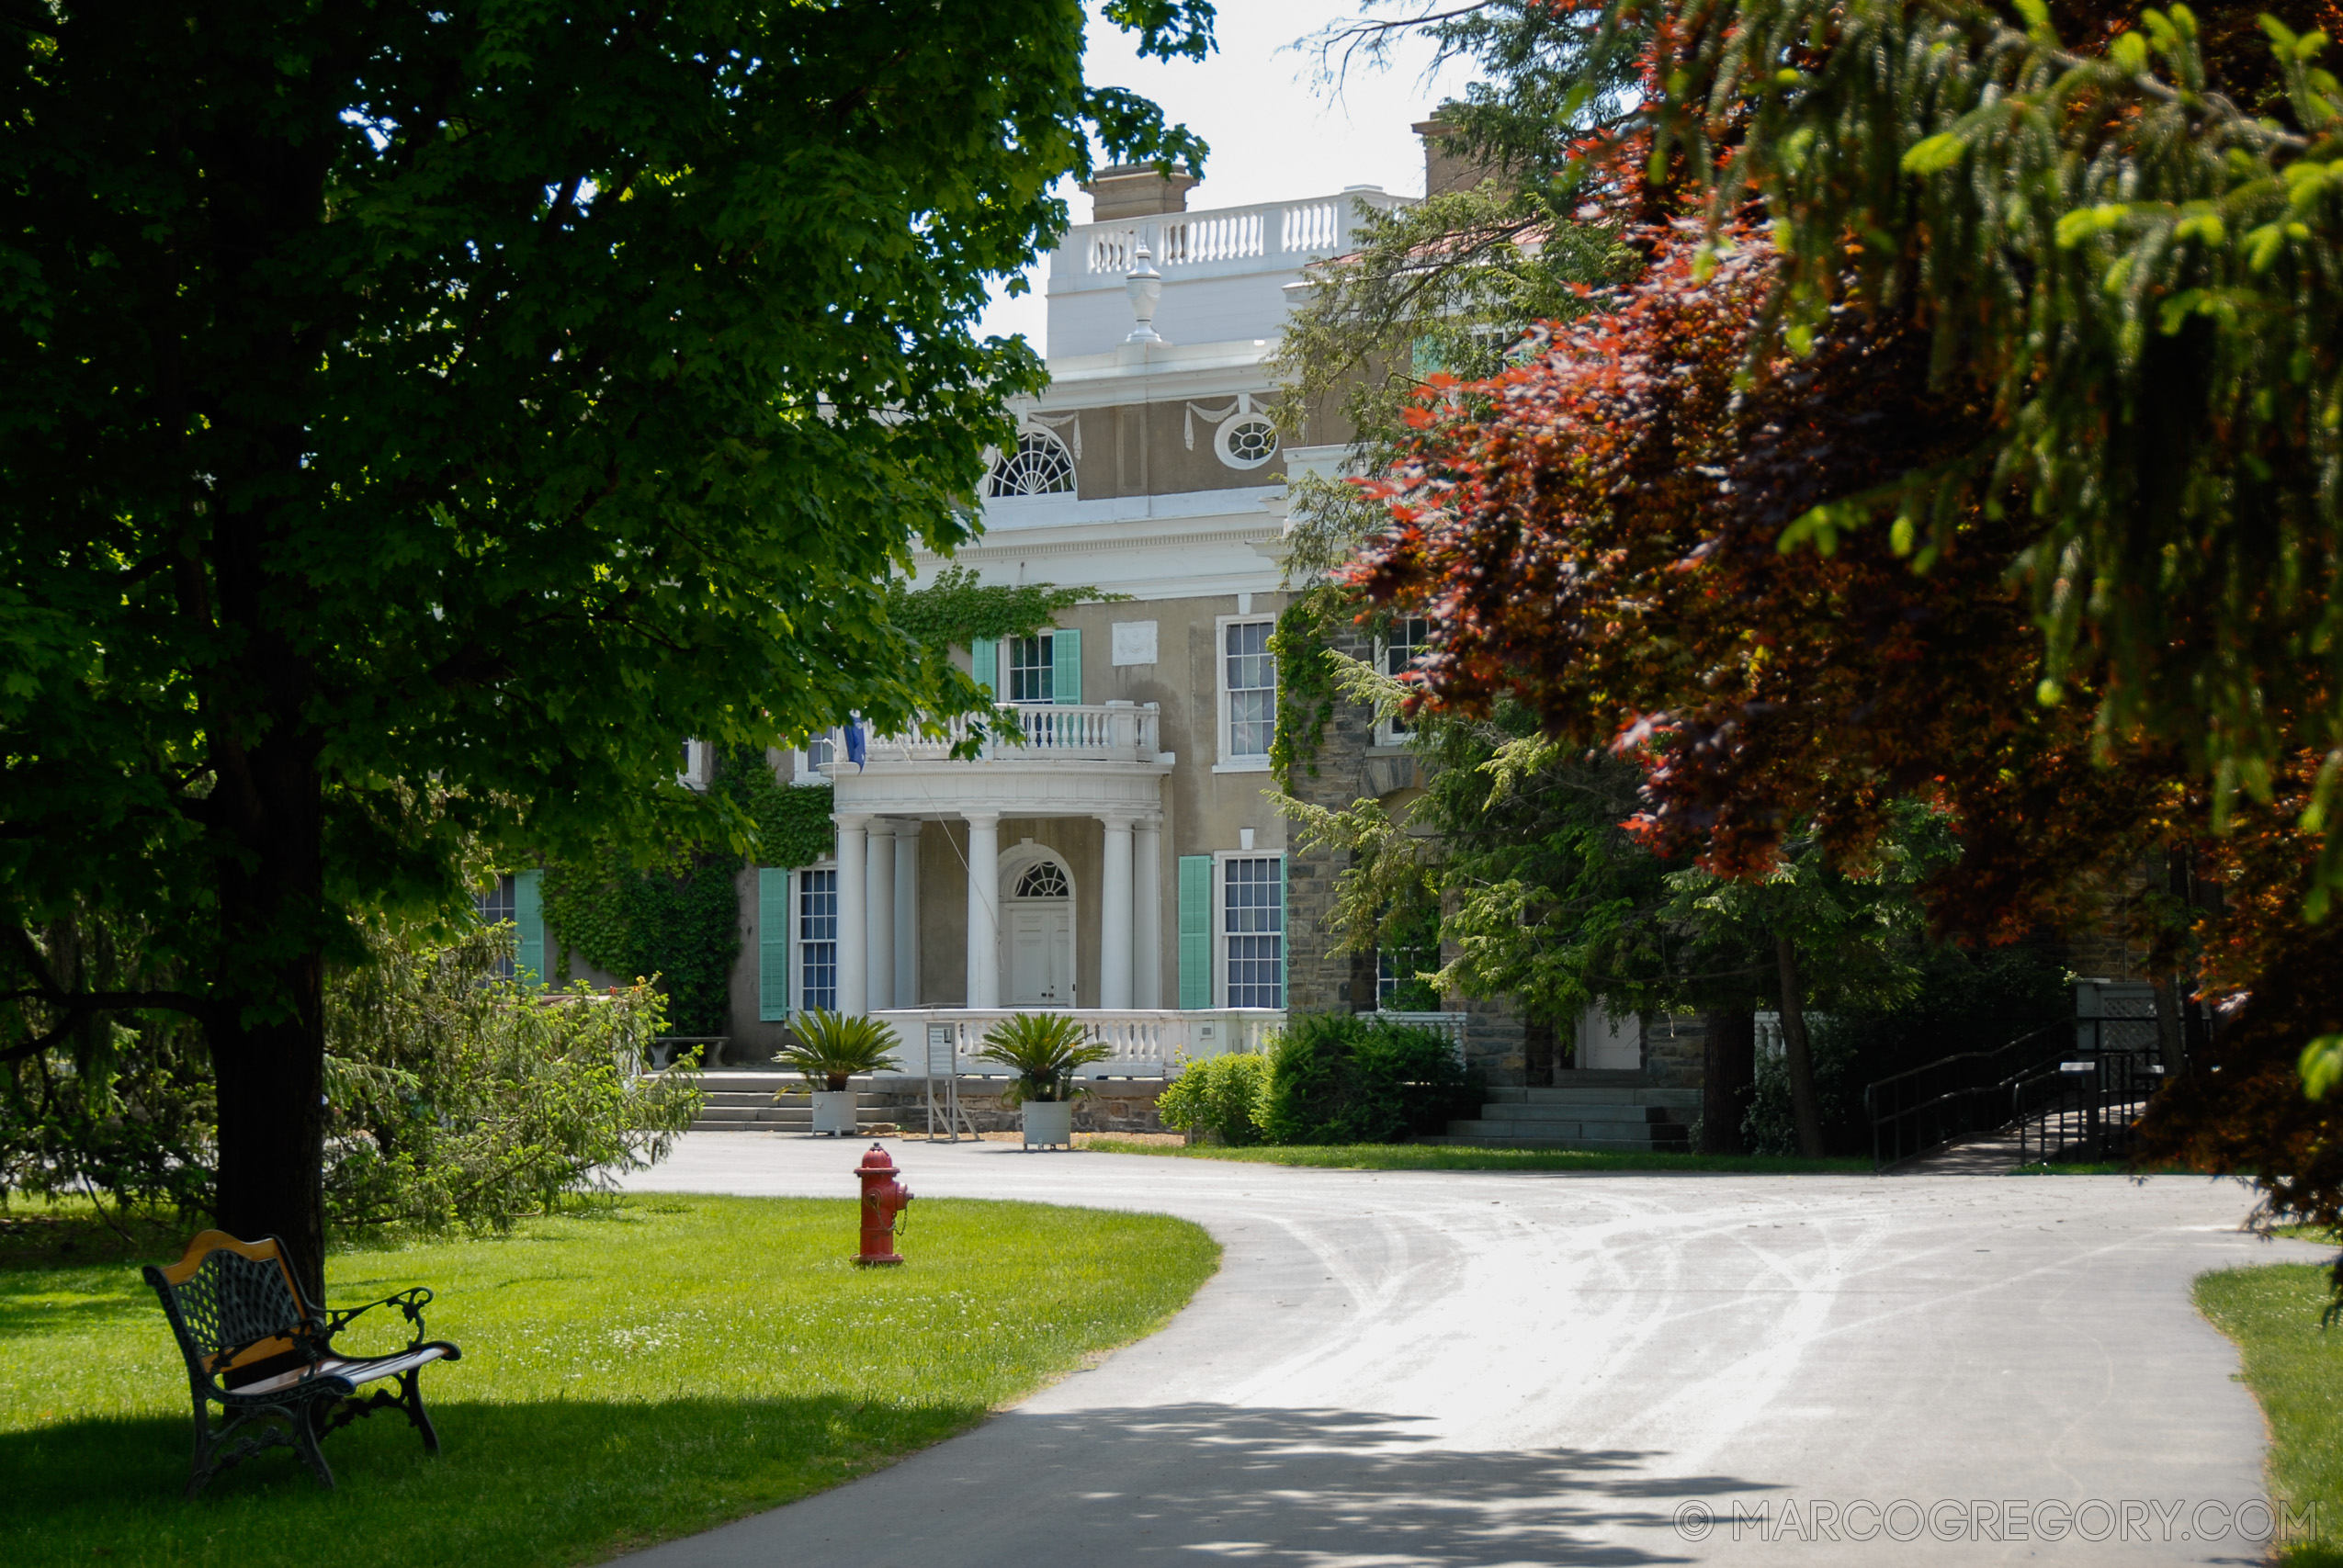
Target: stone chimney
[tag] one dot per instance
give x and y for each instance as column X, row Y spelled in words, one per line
column 1135, row 190
column 1445, row 171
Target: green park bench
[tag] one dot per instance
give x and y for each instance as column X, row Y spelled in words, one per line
column 256, row 1348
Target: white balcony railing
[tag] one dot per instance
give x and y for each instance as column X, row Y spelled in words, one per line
column 1111, row 732
column 1280, row 233
column 1147, row 1043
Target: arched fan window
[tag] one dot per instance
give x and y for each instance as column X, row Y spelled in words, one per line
column 1044, row 881
column 1038, row 465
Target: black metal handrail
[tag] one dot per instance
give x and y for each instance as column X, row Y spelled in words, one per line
column 2085, row 1107
column 1924, row 1108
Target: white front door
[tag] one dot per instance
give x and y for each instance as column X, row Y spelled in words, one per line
column 1041, row 955
column 1606, row 1043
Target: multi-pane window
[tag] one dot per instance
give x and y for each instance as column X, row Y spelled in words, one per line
column 1408, row 641
column 1253, row 925
column 1252, row 674
column 497, row 907
column 1031, row 662
column 817, row 940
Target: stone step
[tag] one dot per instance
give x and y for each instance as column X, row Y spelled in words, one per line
column 1578, row 1110
column 1597, row 1094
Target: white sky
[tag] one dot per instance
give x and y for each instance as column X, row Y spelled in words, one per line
column 1277, row 133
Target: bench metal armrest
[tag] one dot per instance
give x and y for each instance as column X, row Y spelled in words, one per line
column 409, row 1302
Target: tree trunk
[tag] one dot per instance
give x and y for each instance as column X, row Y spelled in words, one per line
column 265, row 1025
column 1537, row 1052
column 1729, row 1077
column 1796, row 1053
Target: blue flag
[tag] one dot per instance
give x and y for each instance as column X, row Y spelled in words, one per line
column 858, row 746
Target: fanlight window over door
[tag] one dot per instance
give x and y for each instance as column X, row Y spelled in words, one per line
column 1038, row 465
column 1044, row 881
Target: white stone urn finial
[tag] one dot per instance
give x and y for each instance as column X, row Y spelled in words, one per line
column 1145, row 285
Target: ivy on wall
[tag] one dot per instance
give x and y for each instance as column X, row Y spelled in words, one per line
column 681, row 923
column 955, row 610
column 793, row 825
column 1306, row 692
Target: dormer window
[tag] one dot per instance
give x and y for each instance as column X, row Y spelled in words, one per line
column 1038, row 465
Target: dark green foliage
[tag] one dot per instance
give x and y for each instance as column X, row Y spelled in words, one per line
column 459, row 1099
column 2128, row 242
column 1220, row 1099
column 483, row 394
column 1965, row 1002
column 792, row 821
column 119, row 1103
column 679, row 926
column 1347, row 1078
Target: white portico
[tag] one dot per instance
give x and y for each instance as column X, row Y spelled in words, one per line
column 1026, row 911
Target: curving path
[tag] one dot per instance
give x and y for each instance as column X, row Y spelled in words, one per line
column 1467, row 1367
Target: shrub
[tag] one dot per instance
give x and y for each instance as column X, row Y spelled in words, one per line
column 461, row 1098
column 829, row 1048
column 1044, row 1049
column 1348, row 1078
column 1221, row 1099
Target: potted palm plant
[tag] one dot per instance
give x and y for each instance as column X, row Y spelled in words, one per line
column 830, row 1049
column 1044, row 1049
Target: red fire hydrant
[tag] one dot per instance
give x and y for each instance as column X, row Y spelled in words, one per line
column 883, row 1199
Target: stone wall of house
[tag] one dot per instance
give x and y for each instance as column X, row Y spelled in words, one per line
column 1347, row 766
column 1674, row 1044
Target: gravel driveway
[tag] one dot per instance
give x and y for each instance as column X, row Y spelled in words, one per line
column 1470, row 1368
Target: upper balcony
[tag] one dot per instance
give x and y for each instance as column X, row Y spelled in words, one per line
column 1072, row 759
column 1224, row 271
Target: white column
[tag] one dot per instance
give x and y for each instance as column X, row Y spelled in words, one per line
column 1114, row 917
column 878, row 916
column 984, row 912
column 907, row 914
column 1147, row 913
column 853, row 955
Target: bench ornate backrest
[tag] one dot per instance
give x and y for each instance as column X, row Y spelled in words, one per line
column 233, row 1305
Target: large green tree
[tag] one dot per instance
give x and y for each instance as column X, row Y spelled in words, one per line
column 416, row 419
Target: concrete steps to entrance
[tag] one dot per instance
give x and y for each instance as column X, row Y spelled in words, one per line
column 1582, row 1110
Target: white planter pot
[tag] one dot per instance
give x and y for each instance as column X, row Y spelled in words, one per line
column 834, row 1110
column 1049, row 1122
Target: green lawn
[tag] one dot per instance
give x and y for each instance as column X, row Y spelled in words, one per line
column 1450, row 1156
column 631, row 1373
column 2295, row 1369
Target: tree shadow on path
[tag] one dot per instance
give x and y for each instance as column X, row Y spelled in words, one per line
column 1166, row 1483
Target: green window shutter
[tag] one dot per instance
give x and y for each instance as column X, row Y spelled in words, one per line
column 1065, row 667
column 529, row 927
column 984, row 660
column 772, row 944
column 1285, row 937
column 1195, row 930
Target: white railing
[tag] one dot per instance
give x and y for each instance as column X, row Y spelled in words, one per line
column 1146, row 1043
column 1452, row 1024
column 1109, row 732
column 1284, row 234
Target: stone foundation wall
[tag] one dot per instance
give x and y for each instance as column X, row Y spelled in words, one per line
column 1115, row 1105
